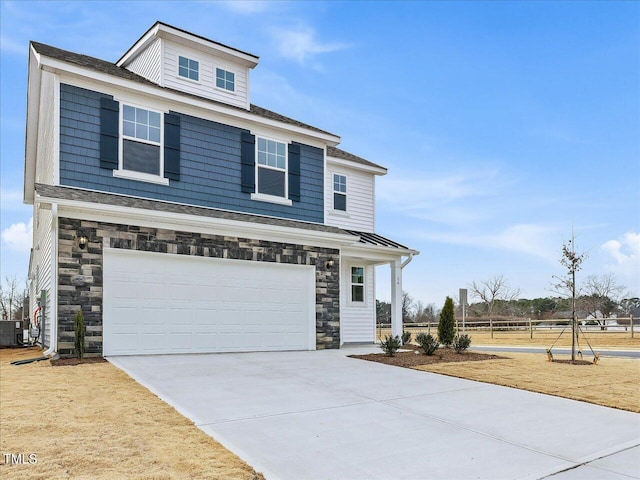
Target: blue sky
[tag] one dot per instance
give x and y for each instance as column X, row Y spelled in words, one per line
column 504, row 125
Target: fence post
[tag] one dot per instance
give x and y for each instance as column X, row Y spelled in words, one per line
column 631, row 319
column 530, row 328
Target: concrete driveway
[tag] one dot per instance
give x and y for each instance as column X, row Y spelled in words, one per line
column 321, row 415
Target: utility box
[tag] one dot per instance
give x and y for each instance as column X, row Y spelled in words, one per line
column 10, row 333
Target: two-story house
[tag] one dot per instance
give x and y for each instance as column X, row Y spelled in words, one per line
column 180, row 218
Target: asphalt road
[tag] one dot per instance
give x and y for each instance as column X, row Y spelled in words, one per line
column 563, row 351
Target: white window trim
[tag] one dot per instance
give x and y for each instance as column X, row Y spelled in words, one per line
column 132, row 174
column 215, row 80
column 187, row 78
column 263, row 197
column 353, row 302
column 346, row 194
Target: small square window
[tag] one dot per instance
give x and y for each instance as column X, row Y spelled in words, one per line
column 188, row 68
column 225, row 80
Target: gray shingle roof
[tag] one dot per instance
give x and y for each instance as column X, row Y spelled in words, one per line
column 338, row 153
column 376, row 240
column 70, row 193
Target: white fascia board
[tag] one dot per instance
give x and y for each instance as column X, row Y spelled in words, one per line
column 31, row 136
column 182, row 103
column 194, row 223
column 375, row 253
column 211, row 48
column 357, row 166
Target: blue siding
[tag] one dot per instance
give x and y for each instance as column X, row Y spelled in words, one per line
column 209, row 164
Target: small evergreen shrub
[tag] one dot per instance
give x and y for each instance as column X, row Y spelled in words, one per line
column 78, row 328
column 446, row 326
column 461, row 343
column 427, row 343
column 406, row 337
column 390, row 345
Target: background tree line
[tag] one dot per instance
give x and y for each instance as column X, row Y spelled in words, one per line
column 599, row 298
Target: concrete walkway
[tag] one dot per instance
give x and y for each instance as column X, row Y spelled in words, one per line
column 321, row 415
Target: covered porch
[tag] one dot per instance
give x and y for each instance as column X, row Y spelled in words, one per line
column 358, row 285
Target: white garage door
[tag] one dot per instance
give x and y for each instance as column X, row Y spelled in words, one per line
column 160, row 303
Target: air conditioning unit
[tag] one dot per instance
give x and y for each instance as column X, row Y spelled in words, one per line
column 10, row 333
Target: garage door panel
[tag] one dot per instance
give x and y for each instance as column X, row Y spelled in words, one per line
column 161, row 303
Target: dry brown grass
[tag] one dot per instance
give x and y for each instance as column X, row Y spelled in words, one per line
column 93, row 421
column 613, row 382
column 545, row 338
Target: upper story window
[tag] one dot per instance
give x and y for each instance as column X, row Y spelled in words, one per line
column 339, row 192
column 141, row 141
column 271, row 168
column 188, row 68
column 225, row 79
column 357, row 284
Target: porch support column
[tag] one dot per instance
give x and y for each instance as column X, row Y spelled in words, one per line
column 396, row 298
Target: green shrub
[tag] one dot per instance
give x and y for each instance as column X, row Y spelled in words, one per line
column 461, row 343
column 390, row 345
column 406, row 337
column 446, row 326
column 427, row 343
column 78, row 328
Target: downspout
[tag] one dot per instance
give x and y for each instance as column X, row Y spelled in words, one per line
column 407, row 261
column 53, row 316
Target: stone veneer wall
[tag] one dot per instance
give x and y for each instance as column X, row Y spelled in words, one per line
column 80, row 272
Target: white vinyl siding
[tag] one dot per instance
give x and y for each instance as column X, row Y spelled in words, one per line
column 41, row 267
column 360, row 214
column 147, row 64
column 357, row 319
column 206, row 86
column 46, row 127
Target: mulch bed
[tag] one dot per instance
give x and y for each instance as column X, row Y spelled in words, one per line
column 415, row 356
column 574, row 362
column 65, row 362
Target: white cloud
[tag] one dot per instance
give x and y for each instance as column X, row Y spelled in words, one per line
column 530, row 239
column 18, row 237
column 449, row 198
column 301, row 44
column 8, row 45
column 626, row 253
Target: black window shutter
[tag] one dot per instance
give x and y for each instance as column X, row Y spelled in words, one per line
column 172, row 146
column 109, row 131
column 294, row 172
column 248, row 162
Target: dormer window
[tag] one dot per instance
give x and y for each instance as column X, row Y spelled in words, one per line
column 188, row 68
column 225, row 80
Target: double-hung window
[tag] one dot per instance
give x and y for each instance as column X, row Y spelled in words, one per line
column 225, row 80
column 357, row 284
column 271, row 168
column 141, row 142
column 188, row 68
column 339, row 192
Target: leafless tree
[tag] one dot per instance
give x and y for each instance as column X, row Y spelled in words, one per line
column 600, row 296
column 491, row 292
column 407, row 308
column 572, row 261
column 9, row 297
column 426, row 313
